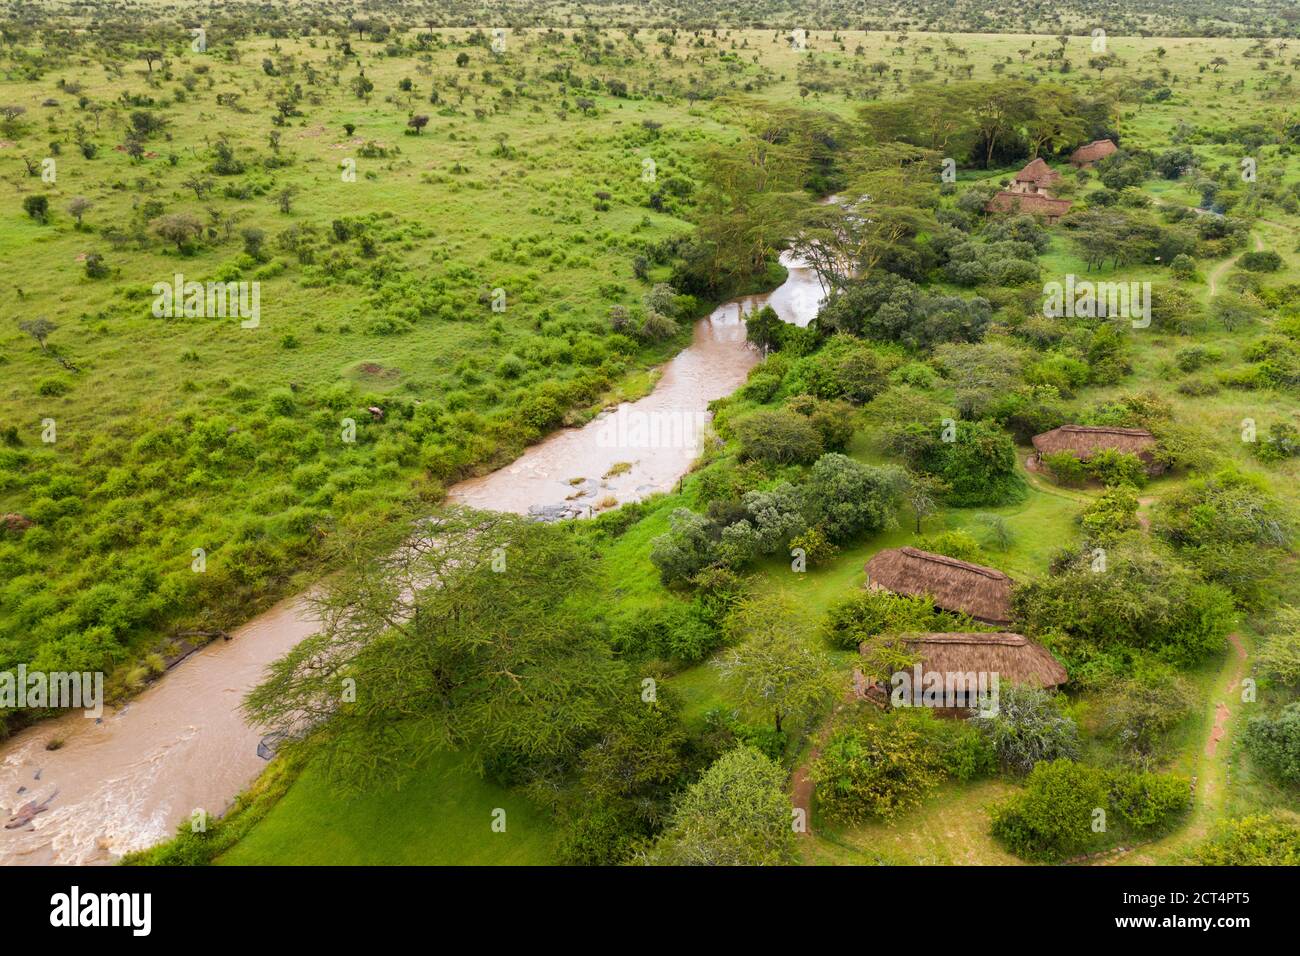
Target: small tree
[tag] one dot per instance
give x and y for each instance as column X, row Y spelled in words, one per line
column 39, row 329
column 179, row 228
column 775, row 669
column 78, row 207
column 924, row 494
column 1052, row 819
column 284, row 199
column 1029, row 727
column 418, row 123
column 877, row 769
column 38, row 208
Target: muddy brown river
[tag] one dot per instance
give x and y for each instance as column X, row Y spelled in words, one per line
column 125, row 782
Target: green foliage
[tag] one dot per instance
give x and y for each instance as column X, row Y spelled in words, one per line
column 875, row 770
column 1281, row 443
column 847, row 499
column 674, row 631
column 1098, row 617
column 1274, row 743
column 868, row 613
column 628, row 776
column 1052, row 819
column 772, row 668
column 1066, row 468
column 1111, row 515
column 1256, row 840
column 1140, row 711
column 957, row 544
column 492, row 661
column 736, row 814
column 1231, row 528
column 1266, row 261
column 832, row 419
column 844, row 368
column 1112, row 467
column 1278, row 661
column 687, row 549
column 1030, row 726
column 1057, row 815
column 978, row 464
column 778, row 437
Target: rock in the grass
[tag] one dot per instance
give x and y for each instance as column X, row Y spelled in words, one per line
column 16, row 523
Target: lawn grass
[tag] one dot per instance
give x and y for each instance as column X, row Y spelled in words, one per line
column 441, row 814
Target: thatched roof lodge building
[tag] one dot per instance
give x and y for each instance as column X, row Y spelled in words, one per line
column 1031, row 194
column 1085, row 157
column 1030, row 204
column 983, row 593
column 1036, row 178
column 1084, row 441
column 964, row 663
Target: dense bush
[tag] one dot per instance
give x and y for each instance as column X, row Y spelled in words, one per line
column 736, row 814
column 1258, row 840
column 843, row 367
column 1138, row 712
column 1231, row 528
column 1098, row 617
column 778, row 436
column 688, row 548
column 875, row 769
column 1110, row 515
column 978, row 464
column 1274, row 743
column 1053, row 818
column 868, row 613
column 1066, row 808
column 1030, row 726
column 847, row 499
column 674, row 631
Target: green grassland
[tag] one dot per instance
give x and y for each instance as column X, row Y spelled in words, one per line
column 448, row 214
column 444, row 814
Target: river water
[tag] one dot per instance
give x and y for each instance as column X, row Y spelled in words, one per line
column 126, row 781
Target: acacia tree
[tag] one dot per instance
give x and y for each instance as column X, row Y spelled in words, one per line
column 750, row 194
column 448, row 633
column 180, row 228
column 39, row 329
column 887, row 203
column 775, row 668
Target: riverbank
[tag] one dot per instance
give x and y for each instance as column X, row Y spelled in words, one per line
column 182, row 746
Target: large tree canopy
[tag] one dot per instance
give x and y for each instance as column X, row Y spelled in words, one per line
column 458, row 635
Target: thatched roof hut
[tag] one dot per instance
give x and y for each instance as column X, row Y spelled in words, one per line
column 1030, row 204
column 1084, row 441
column 983, row 593
column 1037, row 177
column 1013, row 657
column 1086, row 156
